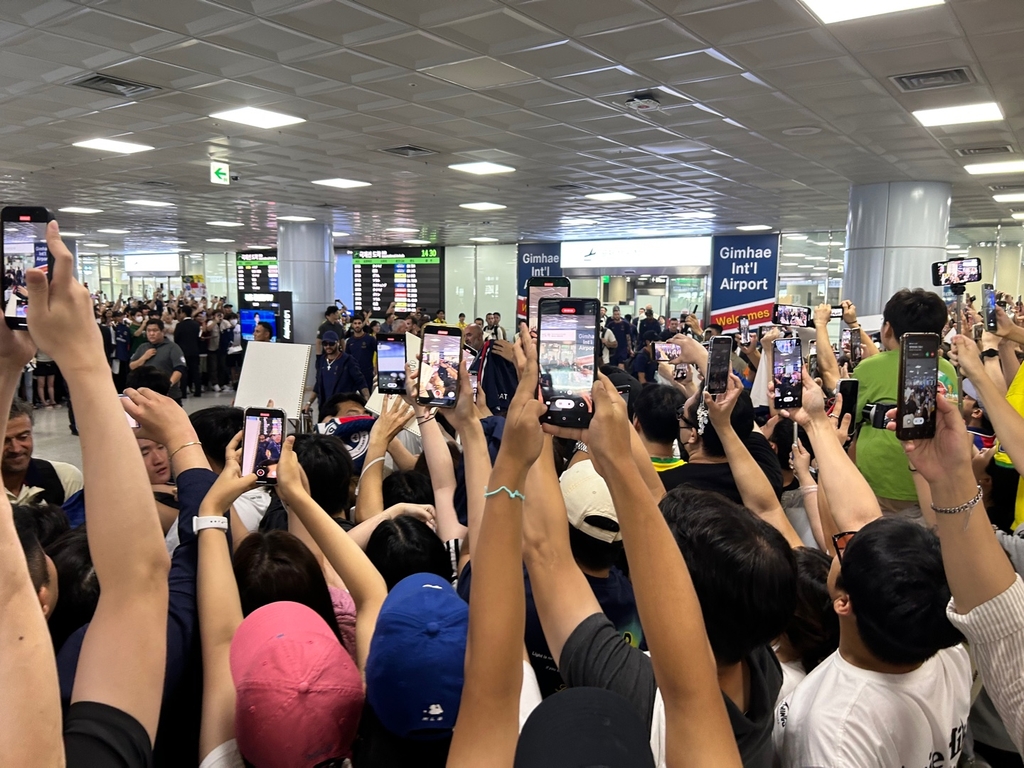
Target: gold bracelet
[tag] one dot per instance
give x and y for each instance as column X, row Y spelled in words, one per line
column 186, row 445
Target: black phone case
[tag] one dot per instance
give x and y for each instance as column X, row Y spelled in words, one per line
column 926, row 430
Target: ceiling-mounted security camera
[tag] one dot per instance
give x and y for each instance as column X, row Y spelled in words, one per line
column 644, row 102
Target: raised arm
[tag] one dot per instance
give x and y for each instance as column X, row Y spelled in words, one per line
column 442, row 470
column 697, row 726
column 123, row 653
column 828, row 365
column 393, row 417
column 867, row 346
column 488, row 726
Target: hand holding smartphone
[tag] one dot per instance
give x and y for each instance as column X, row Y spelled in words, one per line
column 262, row 438
column 787, row 372
column 744, row 323
column 566, row 355
column 719, row 365
column 919, row 386
column 22, row 248
column 440, row 357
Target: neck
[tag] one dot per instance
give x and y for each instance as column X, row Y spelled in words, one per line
column 734, row 680
column 853, row 650
column 697, row 456
column 657, row 450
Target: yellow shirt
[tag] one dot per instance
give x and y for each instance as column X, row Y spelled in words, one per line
column 1015, row 396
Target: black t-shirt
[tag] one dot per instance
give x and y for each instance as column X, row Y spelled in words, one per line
column 101, row 736
column 186, row 336
column 718, row 477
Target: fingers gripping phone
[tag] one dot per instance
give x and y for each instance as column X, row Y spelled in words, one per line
column 391, row 363
column 23, row 248
column 566, row 354
column 787, row 371
column 719, row 365
column 262, row 438
column 919, row 385
column 440, row 357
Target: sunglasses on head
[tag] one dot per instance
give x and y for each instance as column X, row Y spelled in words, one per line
column 840, row 542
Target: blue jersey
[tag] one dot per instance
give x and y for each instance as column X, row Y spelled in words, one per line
column 363, row 349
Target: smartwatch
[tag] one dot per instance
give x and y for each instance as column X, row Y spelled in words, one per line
column 200, row 523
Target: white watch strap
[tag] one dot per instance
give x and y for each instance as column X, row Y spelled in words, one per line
column 199, row 523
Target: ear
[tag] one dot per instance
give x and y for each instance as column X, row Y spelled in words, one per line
column 841, row 604
column 44, row 601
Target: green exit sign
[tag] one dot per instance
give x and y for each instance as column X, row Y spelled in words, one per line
column 606, row 278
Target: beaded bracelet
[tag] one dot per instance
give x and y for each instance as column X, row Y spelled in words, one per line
column 511, row 494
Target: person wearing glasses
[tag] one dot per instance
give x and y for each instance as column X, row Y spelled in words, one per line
column 336, row 371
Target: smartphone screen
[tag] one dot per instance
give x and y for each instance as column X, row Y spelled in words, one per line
column 844, row 338
column 855, row 348
column 131, row 422
column 474, row 382
column 391, row 364
column 262, row 438
column 956, row 272
column 681, row 372
column 538, row 288
column 919, row 384
column 665, row 352
column 849, row 389
column 439, row 366
column 744, row 322
column 24, row 248
column 719, row 364
column 787, row 370
column 791, row 315
column 988, row 302
column 566, row 347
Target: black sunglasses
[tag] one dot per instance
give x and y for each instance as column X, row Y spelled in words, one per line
column 840, row 542
column 681, row 416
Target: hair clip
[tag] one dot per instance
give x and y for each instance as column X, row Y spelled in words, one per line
column 702, row 418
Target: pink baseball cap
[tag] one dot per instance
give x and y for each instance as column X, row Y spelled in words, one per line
column 299, row 694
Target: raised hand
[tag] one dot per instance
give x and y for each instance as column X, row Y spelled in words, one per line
column 608, row 435
column 231, row 483
column 720, row 408
column 393, row 417
column 523, row 437
column 948, row 451
column 822, row 315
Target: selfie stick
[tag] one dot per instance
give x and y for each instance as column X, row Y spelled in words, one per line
column 958, row 290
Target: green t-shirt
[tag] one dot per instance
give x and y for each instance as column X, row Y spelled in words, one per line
column 137, row 341
column 880, row 457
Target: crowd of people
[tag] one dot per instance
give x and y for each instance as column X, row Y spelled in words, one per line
column 689, row 580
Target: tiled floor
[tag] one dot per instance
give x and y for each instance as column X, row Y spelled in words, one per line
column 53, row 438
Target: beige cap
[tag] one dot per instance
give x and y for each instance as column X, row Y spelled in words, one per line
column 586, row 495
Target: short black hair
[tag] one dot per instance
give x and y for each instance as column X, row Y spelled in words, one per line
column 715, row 327
column 742, row 422
column 651, row 336
column 331, row 406
column 155, row 321
column 185, row 310
column 331, row 310
column 892, row 571
column 21, row 407
column 34, row 554
column 595, row 554
column 328, row 466
column 267, row 327
column 743, row 570
column 813, row 632
column 915, row 311
column 655, row 408
column 149, row 377
column 49, row 521
column 782, row 439
column 408, row 487
column 216, row 427
column 78, row 588
column 404, row 545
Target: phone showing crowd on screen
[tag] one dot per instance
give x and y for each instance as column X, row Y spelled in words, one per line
column 744, row 323
column 567, row 340
column 787, row 372
column 665, row 352
column 919, row 383
column 262, row 439
column 391, row 365
column 439, row 366
column 719, row 364
column 791, row 316
column 536, row 292
column 24, row 248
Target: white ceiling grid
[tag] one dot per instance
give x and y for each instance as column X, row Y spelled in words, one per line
column 536, row 84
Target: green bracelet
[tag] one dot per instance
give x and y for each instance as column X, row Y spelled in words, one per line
column 511, row 494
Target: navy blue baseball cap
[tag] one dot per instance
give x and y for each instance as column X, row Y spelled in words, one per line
column 329, row 337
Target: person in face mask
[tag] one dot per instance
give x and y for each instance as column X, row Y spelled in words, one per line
column 137, row 326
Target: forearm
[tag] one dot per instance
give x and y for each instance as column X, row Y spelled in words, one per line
column 851, row 500
column 136, row 364
column 370, row 498
column 994, row 371
column 1009, row 364
column 477, row 463
column 435, row 448
column 175, row 377
column 220, row 608
column 10, row 380
column 828, row 365
column 645, row 468
column 448, row 526
column 403, row 458
column 867, row 346
column 1008, row 424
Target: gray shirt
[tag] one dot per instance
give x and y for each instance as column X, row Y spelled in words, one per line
column 168, row 358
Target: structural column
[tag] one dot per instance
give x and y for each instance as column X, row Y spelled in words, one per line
column 895, row 231
column 305, row 253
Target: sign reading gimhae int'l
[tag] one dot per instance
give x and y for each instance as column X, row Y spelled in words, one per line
column 744, row 273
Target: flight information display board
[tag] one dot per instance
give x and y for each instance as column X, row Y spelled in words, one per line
column 410, row 277
column 256, row 271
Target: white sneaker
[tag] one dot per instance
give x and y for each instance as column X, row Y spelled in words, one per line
column 216, row 388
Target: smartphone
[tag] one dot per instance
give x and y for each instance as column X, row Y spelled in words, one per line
column 391, row 363
column 988, row 303
column 845, row 336
column 919, row 386
column 624, row 390
column 812, row 360
column 474, row 382
column 538, row 288
column 854, row 348
column 23, row 248
column 787, row 370
column 956, row 272
column 836, row 313
column 719, row 365
column 665, row 352
column 440, row 356
column 131, row 422
column 791, row 315
column 682, row 372
column 566, row 353
column 262, row 438
column 744, row 322
column 849, row 389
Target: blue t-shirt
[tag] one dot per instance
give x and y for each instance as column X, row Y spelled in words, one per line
column 363, row 350
column 643, row 363
column 122, row 342
column 621, row 331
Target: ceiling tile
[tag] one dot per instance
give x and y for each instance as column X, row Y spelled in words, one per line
column 484, row 72
column 110, row 31
column 750, row 20
column 584, row 18
column 273, row 42
column 551, row 61
column 686, row 68
column 416, row 50
column 497, row 33
column 644, row 41
column 798, row 48
column 898, row 30
column 339, row 22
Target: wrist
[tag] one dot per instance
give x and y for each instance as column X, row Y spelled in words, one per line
column 953, row 488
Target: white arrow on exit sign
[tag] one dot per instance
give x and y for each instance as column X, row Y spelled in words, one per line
column 219, row 173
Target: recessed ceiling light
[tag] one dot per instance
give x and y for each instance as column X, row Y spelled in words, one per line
column 482, row 169
column 952, row 247
column 76, row 209
column 62, row 234
column 1009, row 166
column 1017, row 216
column 417, row 242
column 342, row 183
column 149, row 203
column 95, row 245
column 295, row 218
column 610, row 197
column 968, row 113
column 110, row 145
column 754, row 228
column 259, row 247
column 831, row 11
column 484, row 239
column 224, row 223
column 86, row 253
column 695, row 215
column 175, row 242
column 114, row 231
column 1013, row 197
column 402, row 230
column 795, row 237
column 483, row 206
column 578, row 222
column 339, row 234
column 789, row 264
column 257, row 118
column 816, row 258
column 10, row 229
column 218, row 240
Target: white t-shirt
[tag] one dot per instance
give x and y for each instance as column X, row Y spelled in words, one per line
column 224, row 756
column 792, row 675
column 251, row 506
column 841, row 715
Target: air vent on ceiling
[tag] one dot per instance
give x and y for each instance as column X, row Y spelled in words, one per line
column 568, row 187
column 115, row 85
column 938, row 78
column 1006, row 187
column 409, row 150
column 1002, row 149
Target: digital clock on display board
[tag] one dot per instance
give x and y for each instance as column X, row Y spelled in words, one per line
column 408, row 277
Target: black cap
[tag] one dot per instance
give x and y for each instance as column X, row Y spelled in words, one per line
column 583, row 727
